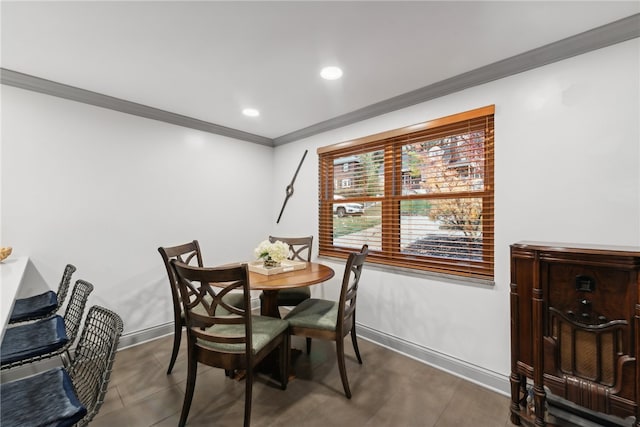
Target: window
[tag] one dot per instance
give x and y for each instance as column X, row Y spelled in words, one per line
column 421, row 197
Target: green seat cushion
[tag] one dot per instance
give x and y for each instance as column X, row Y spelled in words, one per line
column 314, row 313
column 265, row 329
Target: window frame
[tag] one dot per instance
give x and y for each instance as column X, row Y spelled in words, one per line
column 391, row 142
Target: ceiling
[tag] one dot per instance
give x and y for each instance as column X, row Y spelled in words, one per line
column 209, row 60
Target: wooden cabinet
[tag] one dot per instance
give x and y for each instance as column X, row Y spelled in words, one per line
column 575, row 322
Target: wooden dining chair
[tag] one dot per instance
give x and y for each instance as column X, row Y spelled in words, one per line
column 188, row 253
column 333, row 320
column 222, row 335
column 42, row 305
column 300, row 249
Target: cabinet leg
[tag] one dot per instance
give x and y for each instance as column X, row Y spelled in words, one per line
column 540, row 398
column 517, row 381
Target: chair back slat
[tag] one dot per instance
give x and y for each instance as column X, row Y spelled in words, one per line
column 203, row 304
column 349, row 289
column 224, row 303
column 349, row 308
column 299, row 247
column 186, row 253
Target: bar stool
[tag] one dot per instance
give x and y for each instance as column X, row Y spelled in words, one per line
column 42, row 305
column 67, row 396
column 47, row 337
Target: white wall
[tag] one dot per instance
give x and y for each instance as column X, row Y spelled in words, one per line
column 103, row 190
column 567, row 170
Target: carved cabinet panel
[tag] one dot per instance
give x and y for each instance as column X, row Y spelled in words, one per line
column 575, row 321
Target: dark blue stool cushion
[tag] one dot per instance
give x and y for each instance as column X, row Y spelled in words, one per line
column 34, row 307
column 45, row 399
column 33, row 339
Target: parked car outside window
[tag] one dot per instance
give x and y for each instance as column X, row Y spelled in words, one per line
column 343, row 209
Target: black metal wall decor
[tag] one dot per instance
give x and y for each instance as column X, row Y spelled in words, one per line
column 289, row 188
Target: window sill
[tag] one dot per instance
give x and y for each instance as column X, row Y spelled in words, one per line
column 451, row 278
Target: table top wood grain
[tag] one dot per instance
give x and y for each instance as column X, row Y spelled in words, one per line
column 312, row 274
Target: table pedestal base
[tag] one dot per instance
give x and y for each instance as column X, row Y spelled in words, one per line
column 269, row 304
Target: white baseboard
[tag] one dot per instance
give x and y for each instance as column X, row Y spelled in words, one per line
column 476, row 374
column 144, row 335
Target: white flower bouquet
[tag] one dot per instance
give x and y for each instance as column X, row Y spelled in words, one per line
column 275, row 252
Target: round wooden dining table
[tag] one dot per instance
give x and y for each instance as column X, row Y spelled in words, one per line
column 270, row 285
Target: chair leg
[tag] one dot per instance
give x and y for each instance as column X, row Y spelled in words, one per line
column 308, row 345
column 177, row 336
column 342, row 367
column 192, row 371
column 247, row 396
column 285, row 361
column 354, row 340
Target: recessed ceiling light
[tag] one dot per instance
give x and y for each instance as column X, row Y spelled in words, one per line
column 331, row 73
column 251, row 112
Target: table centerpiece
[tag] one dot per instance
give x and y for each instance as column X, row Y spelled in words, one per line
column 272, row 254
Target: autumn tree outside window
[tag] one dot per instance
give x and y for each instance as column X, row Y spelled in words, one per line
column 421, row 197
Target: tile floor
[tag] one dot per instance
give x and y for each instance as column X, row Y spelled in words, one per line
column 388, row 390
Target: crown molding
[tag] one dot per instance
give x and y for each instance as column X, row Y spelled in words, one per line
column 606, row 35
column 48, row 87
column 616, row 32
